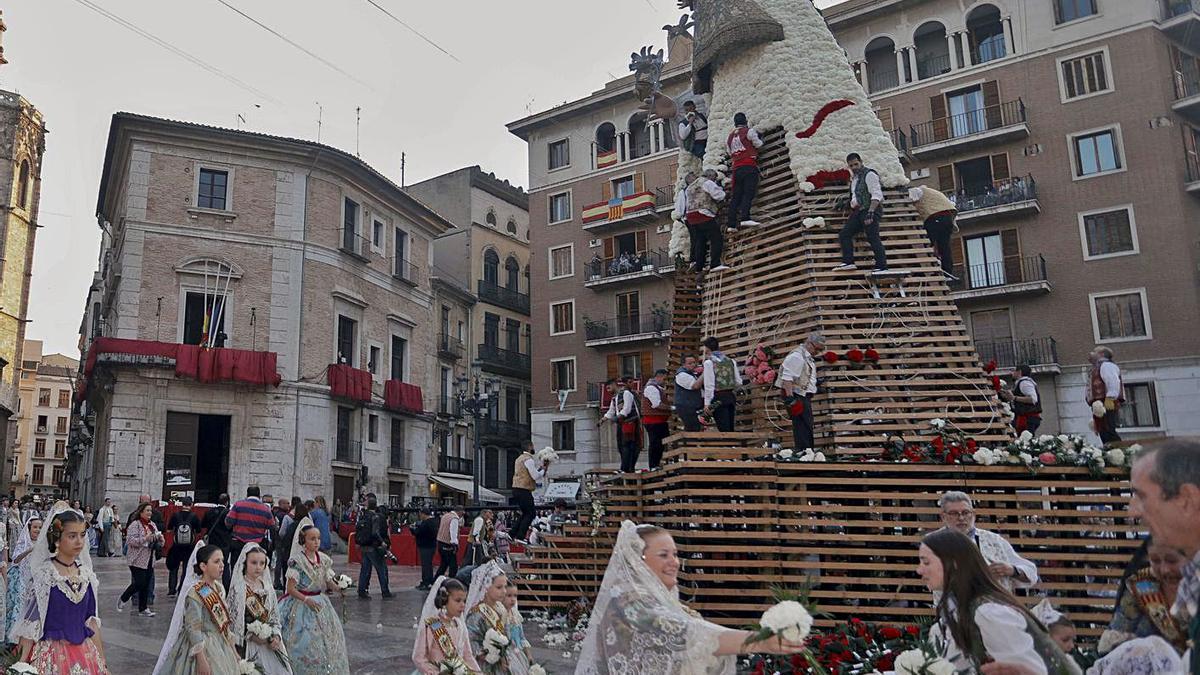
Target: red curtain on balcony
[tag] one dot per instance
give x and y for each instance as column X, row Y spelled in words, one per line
column 403, row 396
column 351, row 383
column 203, row 365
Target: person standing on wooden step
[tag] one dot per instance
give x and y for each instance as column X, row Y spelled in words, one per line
column 693, row 130
column 688, row 397
column 939, row 213
column 798, row 380
column 656, row 413
column 743, row 145
column 623, row 410
column 701, row 201
column 721, row 381
column 866, row 210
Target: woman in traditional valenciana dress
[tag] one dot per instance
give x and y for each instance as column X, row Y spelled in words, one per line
column 200, row 639
column 17, row 572
column 312, row 630
column 485, row 601
column 59, row 629
column 253, row 600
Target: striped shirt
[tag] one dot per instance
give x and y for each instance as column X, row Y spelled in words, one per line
column 249, row 520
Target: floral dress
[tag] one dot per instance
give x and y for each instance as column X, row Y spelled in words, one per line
column 647, row 638
column 479, row 620
column 205, row 628
column 316, row 644
column 259, row 608
column 67, row 644
column 518, row 658
column 1144, row 611
column 442, row 638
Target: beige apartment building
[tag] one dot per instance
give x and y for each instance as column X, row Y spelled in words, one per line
column 487, row 253
column 39, row 454
column 601, row 194
column 1066, row 131
column 306, row 271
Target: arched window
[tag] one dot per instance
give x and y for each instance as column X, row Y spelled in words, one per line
column 985, row 33
column 491, row 267
column 606, row 137
column 490, row 218
column 23, row 188
column 881, row 65
column 639, row 136
column 933, row 52
column 512, row 272
column 512, row 226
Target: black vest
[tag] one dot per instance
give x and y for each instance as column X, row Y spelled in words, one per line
column 1026, row 408
column 692, row 399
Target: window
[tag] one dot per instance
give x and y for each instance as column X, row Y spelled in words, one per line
column 399, row 350
column 1108, row 233
column 512, row 404
column 347, row 329
column 377, row 235
column 1121, row 316
column 373, row 357
column 491, row 267
column 560, row 207
column 350, row 226
column 562, row 262
column 1096, row 153
column 400, row 254
column 1070, row 10
column 562, row 317
column 57, row 473
column 1084, row 75
column 39, row 474
column 560, row 154
column 511, row 227
column 396, row 494
column 23, row 186
column 373, row 428
column 60, row 448
column 39, row 447
column 64, row 398
column 200, row 310
column 630, row 365
column 397, row 459
column 491, row 329
column 60, row 425
column 623, row 187
column 512, row 335
column 985, row 261
column 512, row 274
column 42, row 424
column 44, row 398
column 345, row 446
column 1141, row 406
column 562, row 435
column 562, row 375
column 967, row 112
column 213, row 189
column 490, row 219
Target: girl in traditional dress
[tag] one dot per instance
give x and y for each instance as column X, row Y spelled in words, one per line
column 59, row 629
column 443, row 635
column 200, row 640
column 485, row 599
column 116, row 540
column 251, row 600
column 17, row 574
column 520, row 656
column 1144, row 608
column 639, row 625
column 977, row 620
column 312, row 631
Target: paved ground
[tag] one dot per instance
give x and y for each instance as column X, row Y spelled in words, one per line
column 379, row 632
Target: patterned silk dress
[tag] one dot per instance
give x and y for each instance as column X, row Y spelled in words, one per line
column 258, row 608
column 316, row 644
column 205, row 628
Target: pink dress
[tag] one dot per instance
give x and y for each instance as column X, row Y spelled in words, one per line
column 428, row 654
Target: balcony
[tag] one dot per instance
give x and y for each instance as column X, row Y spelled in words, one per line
column 497, row 295
column 459, row 465
column 407, row 272
column 1181, row 23
column 1040, row 354
column 1024, row 276
column 399, row 459
column 934, row 65
column 450, row 347
column 1193, row 173
column 627, row 329
column 882, row 80
column 348, row 451
column 635, row 209
column 628, row 268
column 1009, row 197
column 900, row 140
column 449, row 406
column 509, row 433
column 970, row 130
column 493, row 359
column 1187, row 88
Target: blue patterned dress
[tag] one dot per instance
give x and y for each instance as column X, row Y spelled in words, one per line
column 314, row 638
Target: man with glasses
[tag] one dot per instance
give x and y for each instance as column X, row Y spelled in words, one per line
column 1008, row 569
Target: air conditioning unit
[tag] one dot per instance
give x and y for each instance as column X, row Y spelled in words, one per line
column 594, row 243
column 664, row 228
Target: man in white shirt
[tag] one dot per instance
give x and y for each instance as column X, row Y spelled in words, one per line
column 702, row 199
column 1006, row 567
column 656, row 415
column 477, row 541
column 688, row 398
column 623, row 410
column 866, row 210
column 1026, row 401
column 528, row 473
column 693, row 130
column 798, row 381
column 1106, row 389
column 448, row 542
column 722, row 378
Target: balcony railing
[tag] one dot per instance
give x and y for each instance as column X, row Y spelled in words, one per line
column 999, row 274
column 1187, row 80
column 348, row 450
column 883, row 80
column 626, row 326
column 494, row 359
column 900, row 140
column 399, row 458
column 406, row 271
column 631, row 208
column 514, row 431
column 503, row 297
column 449, row 346
column 1012, row 353
column 989, row 50
column 1000, row 193
column 968, row 124
column 1193, row 170
column 626, row 264
column 449, row 406
column 459, row 465
column 933, row 66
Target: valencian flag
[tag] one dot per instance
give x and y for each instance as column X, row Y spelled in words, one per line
column 616, row 208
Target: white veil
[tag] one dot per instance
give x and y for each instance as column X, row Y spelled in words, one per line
column 236, row 599
column 481, row 578
column 177, row 616
column 639, row 626
column 428, row 611
column 318, row 575
column 39, row 576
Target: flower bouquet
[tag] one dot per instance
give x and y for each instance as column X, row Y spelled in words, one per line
column 495, row 644
column 535, row 669
column 790, row 620
column 248, row 667
column 758, row 369
column 453, row 665
column 260, row 630
column 924, row 660
column 547, row 454
column 21, row 668
column 342, row 581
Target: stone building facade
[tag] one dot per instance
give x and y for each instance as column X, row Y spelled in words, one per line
column 39, row 453
column 271, row 246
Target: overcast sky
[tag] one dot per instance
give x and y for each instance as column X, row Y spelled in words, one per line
column 507, row 59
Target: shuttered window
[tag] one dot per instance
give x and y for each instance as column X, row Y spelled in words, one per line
column 1120, row 316
column 1108, row 233
column 1141, row 406
column 1084, row 75
column 562, row 375
column 561, row 262
column 562, row 318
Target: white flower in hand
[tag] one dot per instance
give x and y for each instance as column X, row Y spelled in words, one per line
column 789, row 620
column 535, row 669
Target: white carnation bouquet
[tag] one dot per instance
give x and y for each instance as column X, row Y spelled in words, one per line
column 919, row 662
column 791, row 620
column 453, row 666
column 547, row 454
column 248, row 667
column 535, row 669
column 495, row 644
column 260, row 630
column 340, row 580
column 21, row 668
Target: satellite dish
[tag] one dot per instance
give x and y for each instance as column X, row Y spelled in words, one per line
column 562, row 399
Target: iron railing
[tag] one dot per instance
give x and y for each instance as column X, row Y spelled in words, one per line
column 1193, row 167
column 664, row 197
column 1187, row 80
column 398, row 458
column 349, row 450
column 970, row 123
column 450, row 346
column 450, row 406
column 503, row 297
column 989, row 50
column 624, row 326
column 1007, row 191
column 459, row 465
column 882, row 80
column 647, row 261
column 932, row 66
column 406, row 271
column 507, row 360
column 998, row 274
column 1012, row 353
column 1174, row 8
column 900, row 140
column 514, row 431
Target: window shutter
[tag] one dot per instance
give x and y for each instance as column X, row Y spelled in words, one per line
column 1010, row 244
column 606, row 192
column 639, row 182
column 610, row 246
column 957, row 257
column 1057, row 11
column 639, row 238
column 937, row 111
column 886, row 119
column 991, row 104
column 1000, row 168
column 614, row 366
column 647, row 365
column 946, row 178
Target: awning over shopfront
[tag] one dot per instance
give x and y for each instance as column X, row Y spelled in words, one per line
column 465, row 486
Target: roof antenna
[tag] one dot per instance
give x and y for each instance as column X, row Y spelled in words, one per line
column 241, row 119
column 357, row 123
column 402, row 162
column 320, row 113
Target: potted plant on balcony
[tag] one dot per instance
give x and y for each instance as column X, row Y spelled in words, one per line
column 594, row 330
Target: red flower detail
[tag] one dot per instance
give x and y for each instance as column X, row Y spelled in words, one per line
column 854, row 356
column 991, row 365
column 871, row 354
column 972, row 445
column 886, row 662
column 890, row 633
column 819, row 119
column 996, row 382
column 831, row 357
column 822, row 178
column 912, row 630
column 939, row 443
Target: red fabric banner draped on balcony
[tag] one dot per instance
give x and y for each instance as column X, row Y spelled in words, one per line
column 402, row 396
column 351, row 383
column 203, row 365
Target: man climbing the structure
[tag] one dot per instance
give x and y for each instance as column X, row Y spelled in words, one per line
column 721, row 381
column 866, row 210
column 798, row 380
column 938, row 212
column 693, row 130
column 688, row 398
column 702, row 198
column 743, row 146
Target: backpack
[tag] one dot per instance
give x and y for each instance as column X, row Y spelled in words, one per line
column 183, row 533
column 364, row 530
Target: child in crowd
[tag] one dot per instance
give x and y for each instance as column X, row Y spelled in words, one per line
column 443, row 635
column 520, row 654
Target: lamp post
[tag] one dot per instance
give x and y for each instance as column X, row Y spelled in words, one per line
column 477, row 403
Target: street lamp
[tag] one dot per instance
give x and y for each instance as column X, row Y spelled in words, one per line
column 478, row 405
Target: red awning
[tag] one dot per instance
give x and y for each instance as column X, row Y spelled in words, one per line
column 191, row 361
